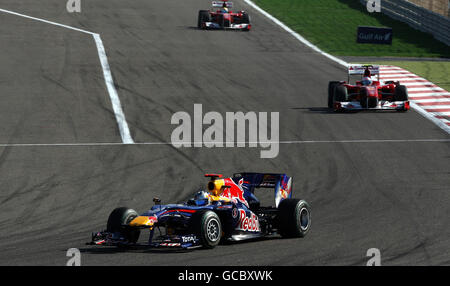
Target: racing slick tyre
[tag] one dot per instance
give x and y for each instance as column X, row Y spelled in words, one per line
column 203, row 16
column 245, row 18
column 401, row 93
column 340, row 93
column 294, row 218
column 207, row 226
column 331, row 86
column 118, row 221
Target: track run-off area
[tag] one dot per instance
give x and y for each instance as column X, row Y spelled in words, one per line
column 374, row 180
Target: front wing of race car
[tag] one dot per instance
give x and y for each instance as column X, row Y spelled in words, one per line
column 382, row 105
column 213, row 25
column 188, row 241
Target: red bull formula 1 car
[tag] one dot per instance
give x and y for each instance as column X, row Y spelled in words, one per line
column 367, row 93
column 227, row 211
column 223, row 18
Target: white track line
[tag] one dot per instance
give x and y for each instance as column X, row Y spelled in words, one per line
column 442, row 124
column 117, row 107
column 432, row 100
column 418, row 84
column 437, row 89
column 400, row 78
column 439, row 113
column 430, row 94
column 45, row 21
column 428, row 99
column 239, row 142
column 446, row 106
column 296, row 35
column 446, row 121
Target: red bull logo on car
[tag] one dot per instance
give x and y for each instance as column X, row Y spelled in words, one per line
column 248, row 223
column 283, row 190
column 234, row 192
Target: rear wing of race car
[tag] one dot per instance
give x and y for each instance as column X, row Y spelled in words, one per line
column 281, row 183
column 357, row 69
column 220, row 4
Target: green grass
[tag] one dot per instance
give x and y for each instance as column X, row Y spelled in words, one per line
column 436, row 72
column 331, row 25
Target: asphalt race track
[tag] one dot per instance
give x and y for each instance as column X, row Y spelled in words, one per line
column 394, row 196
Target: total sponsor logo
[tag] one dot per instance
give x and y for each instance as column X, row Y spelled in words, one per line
column 248, row 223
column 189, row 238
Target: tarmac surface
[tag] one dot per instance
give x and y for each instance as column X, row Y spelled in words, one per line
column 390, row 195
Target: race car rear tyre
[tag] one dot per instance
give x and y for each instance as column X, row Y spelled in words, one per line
column 340, row 93
column 294, row 218
column 401, row 93
column 118, row 221
column 207, row 227
column 331, row 86
column 203, row 16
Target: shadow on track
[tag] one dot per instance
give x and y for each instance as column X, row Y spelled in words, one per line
column 145, row 249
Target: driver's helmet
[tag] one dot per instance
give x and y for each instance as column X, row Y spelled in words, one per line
column 366, row 81
column 201, row 198
column 224, row 7
column 216, row 187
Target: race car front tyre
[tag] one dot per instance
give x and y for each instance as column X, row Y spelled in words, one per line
column 118, row 221
column 294, row 218
column 331, row 86
column 245, row 18
column 401, row 93
column 203, row 16
column 220, row 20
column 340, row 93
column 207, row 226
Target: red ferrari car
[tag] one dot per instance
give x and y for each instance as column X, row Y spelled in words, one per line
column 223, row 18
column 367, row 93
